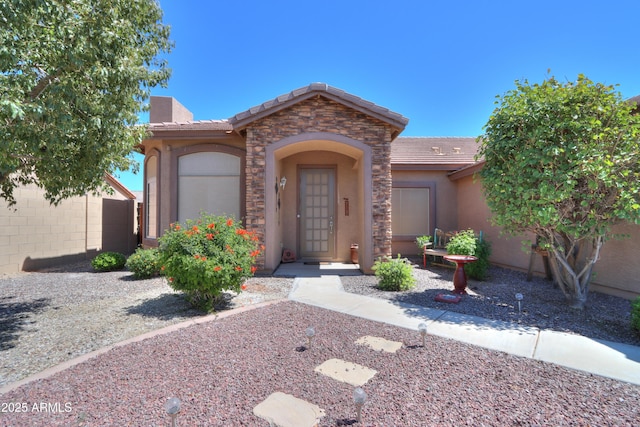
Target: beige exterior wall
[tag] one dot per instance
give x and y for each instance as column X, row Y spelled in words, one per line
column 445, row 200
column 34, row 234
column 168, row 152
column 347, row 230
column 615, row 273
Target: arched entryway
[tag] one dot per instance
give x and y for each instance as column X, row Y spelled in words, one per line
column 323, row 204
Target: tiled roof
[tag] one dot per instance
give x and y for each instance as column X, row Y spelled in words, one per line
column 295, row 96
column 454, row 151
column 222, row 125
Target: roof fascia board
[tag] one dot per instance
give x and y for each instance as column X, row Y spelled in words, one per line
column 193, row 134
column 466, row 171
column 428, row 167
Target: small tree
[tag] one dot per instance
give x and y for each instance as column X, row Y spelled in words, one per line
column 73, row 78
column 562, row 161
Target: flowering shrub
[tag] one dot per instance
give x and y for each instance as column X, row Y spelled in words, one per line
column 207, row 256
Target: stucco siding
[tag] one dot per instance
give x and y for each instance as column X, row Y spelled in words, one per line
column 445, row 214
column 615, row 272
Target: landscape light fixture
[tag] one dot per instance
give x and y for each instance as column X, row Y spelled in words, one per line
column 173, row 407
column 422, row 328
column 359, row 397
column 310, row 333
column 283, row 182
column 519, row 298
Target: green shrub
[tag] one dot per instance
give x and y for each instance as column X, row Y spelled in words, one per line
column 635, row 314
column 109, row 261
column 144, row 263
column 394, row 274
column 466, row 243
column 205, row 257
column 478, row 270
column 463, row 243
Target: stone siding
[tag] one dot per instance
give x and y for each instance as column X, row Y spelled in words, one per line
column 320, row 114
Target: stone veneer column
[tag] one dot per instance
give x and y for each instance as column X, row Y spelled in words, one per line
column 255, row 188
column 319, row 114
column 382, row 187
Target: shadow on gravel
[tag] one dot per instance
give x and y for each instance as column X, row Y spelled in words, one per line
column 165, row 307
column 14, row 317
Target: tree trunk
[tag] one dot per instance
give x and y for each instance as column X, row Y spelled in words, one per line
column 572, row 262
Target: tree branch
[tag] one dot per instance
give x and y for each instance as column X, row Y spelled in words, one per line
column 42, row 84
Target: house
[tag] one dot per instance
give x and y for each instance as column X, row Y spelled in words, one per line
column 318, row 170
column 34, row 234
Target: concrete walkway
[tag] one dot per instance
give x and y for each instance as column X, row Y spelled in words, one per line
column 604, row 358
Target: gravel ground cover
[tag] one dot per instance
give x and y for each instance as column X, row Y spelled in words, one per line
column 52, row 316
column 543, row 305
column 222, row 369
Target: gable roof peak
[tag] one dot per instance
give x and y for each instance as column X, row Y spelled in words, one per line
column 281, row 102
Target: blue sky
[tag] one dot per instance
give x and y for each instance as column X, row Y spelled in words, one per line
column 440, row 64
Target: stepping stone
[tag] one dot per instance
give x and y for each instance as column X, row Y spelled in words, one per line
column 346, row 372
column 379, row 344
column 284, row 410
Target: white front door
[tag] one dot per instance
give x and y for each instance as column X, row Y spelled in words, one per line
column 317, row 213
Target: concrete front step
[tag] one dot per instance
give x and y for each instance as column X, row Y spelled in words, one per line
column 379, row 344
column 284, row 410
column 346, row 372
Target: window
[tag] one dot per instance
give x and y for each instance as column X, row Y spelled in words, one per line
column 209, row 182
column 151, row 187
column 411, row 211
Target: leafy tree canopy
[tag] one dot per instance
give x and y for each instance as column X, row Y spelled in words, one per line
column 74, row 74
column 562, row 160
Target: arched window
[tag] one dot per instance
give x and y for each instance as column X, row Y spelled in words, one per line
column 151, row 200
column 209, row 182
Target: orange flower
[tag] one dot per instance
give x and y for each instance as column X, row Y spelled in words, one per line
column 171, row 279
column 162, row 268
column 255, row 253
column 229, row 222
column 217, row 268
column 196, row 256
column 238, row 268
column 177, row 227
column 262, row 247
column 211, row 226
column 209, row 236
column 203, row 258
column 253, row 269
column 244, row 287
column 255, row 238
column 195, row 229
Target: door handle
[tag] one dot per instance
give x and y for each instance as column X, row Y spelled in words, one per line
column 330, row 226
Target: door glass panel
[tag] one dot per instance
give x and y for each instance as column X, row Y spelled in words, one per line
column 316, row 193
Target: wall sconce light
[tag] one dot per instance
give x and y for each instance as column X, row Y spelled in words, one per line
column 283, row 182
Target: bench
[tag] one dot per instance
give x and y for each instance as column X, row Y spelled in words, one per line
column 438, row 248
